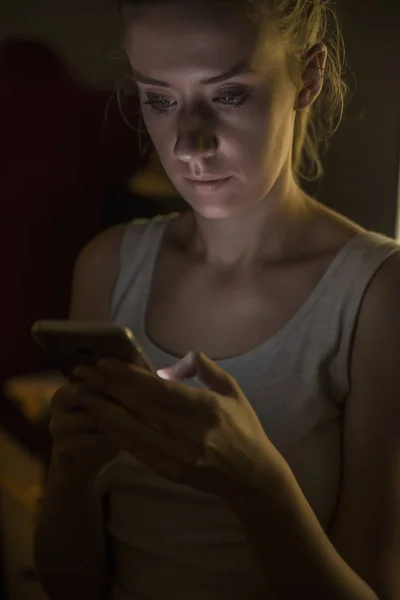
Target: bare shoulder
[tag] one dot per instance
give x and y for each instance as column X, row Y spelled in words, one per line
column 330, row 228
column 381, row 303
column 377, row 334
column 95, row 274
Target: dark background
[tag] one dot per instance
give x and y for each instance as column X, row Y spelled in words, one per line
column 64, row 169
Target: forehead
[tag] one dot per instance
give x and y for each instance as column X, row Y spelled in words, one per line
column 161, row 40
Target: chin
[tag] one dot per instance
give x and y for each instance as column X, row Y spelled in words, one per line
column 223, row 209
column 212, row 212
column 219, row 204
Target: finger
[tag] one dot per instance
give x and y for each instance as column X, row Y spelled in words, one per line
column 71, row 396
column 184, row 425
column 215, row 378
column 198, row 366
column 175, row 415
column 133, row 434
column 141, row 391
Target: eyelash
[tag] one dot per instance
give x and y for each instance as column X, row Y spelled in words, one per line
column 240, row 100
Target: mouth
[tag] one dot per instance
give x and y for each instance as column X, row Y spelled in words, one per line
column 207, row 185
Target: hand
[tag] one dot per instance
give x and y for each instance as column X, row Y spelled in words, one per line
column 210, row 439
column 80, row 447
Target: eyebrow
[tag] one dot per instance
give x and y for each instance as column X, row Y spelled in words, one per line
column 239, row 69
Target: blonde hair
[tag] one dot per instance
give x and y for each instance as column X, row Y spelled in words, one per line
column 302, row 24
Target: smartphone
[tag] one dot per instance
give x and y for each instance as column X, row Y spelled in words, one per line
column 73, row 343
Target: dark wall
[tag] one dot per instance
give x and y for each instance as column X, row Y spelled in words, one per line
column 362, row 166
column 85, row 33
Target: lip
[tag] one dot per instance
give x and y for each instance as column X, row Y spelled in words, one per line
column 208, row 185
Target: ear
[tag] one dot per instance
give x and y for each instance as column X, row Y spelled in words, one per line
column 313, row 76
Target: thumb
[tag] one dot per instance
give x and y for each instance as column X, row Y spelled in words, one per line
column 198, row 366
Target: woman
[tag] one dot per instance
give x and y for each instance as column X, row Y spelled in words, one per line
column 272, row 475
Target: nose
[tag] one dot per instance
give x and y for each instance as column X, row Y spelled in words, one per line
column 195, row 142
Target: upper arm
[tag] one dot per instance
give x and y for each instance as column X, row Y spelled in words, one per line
column 366, row 527
column 95, row 275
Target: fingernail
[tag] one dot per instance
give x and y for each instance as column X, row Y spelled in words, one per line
column 163, row 375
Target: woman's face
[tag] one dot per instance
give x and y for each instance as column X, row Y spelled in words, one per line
column 218, row 104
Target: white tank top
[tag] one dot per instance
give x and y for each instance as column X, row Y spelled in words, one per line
column 172, row 542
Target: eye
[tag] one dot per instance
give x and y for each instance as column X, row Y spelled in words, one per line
column 232, row 99
column 229, row 100
column 159, row 104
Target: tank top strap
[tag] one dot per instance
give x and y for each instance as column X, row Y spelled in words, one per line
column 138, row 252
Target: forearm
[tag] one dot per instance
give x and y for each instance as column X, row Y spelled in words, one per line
column 70, row 548
column 295, row 555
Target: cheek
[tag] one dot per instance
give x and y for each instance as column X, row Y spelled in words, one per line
column 270, row 134
column 251, row 142
column 162, row 132
column 252, row 133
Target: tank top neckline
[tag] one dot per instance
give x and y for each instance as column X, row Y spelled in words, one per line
column 157, row 229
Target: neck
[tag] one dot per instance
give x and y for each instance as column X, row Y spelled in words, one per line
column 264, row 233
